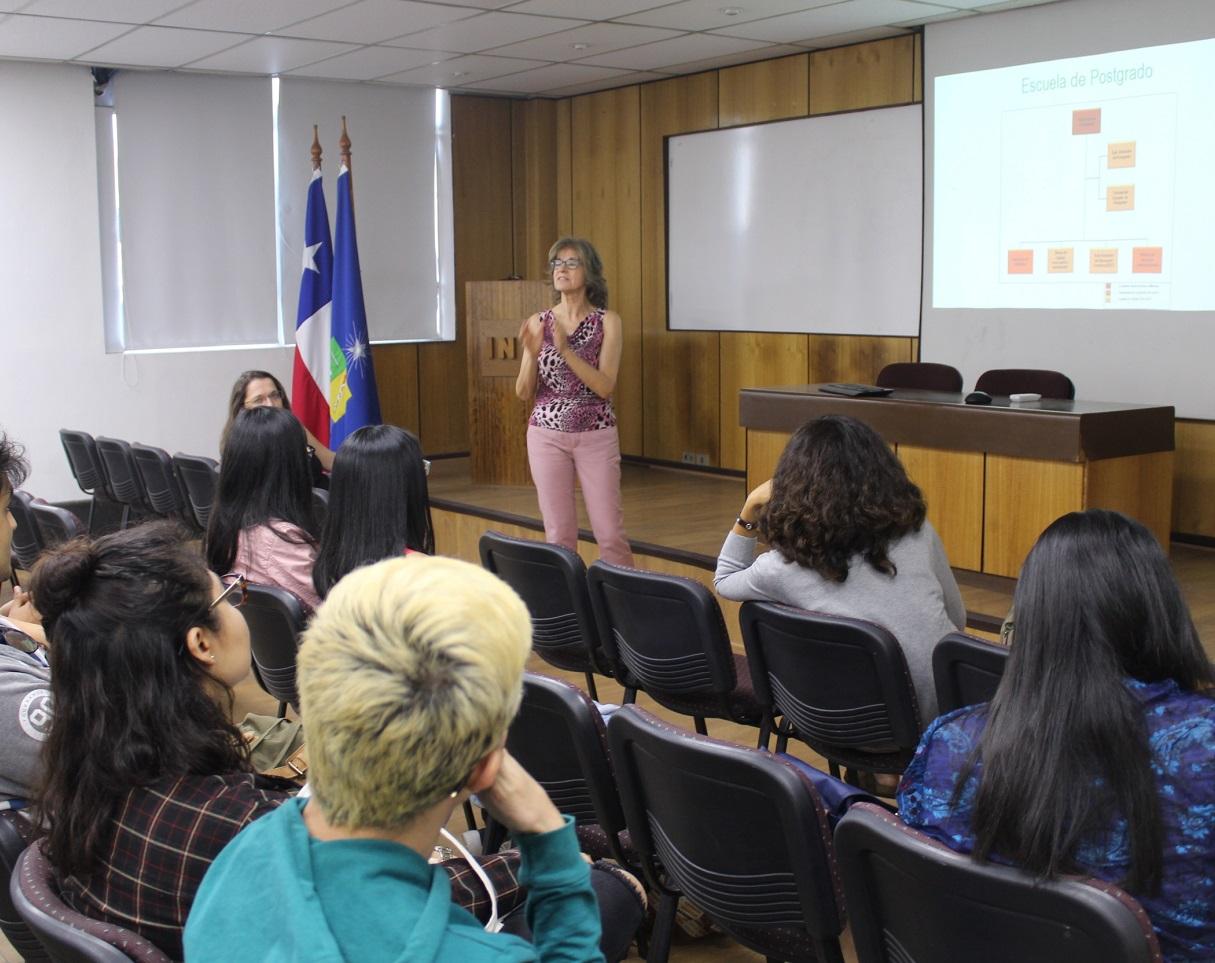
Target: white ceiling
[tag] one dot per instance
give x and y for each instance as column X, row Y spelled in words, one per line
column 547, row 48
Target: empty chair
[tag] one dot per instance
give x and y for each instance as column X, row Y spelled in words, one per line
column 665, row 636
column 68, row 936
column 275, row 618
column 551, row 580
column 126, row 485
column 926, row 375
column 16, row 832
column 85, row 463
column 1012, row 381
column 966, row 670
column 56, row 525
column 161, row 484
column 741, row 834
column 560, row 739
column 911, row 898
column 27, row 539
column 839, row 685
column 199, row 477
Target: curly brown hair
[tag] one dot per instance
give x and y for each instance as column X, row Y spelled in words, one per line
column 839, row 491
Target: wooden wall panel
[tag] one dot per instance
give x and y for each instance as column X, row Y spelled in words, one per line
column 1194, row 479
column 396, row 378
column 835, row 357
column 752, row 94
column 680, row 368
column 875, row 74
column 535, row 185
column 770, row 90
column 605, row 155
column 481, row 185
column 565, row 173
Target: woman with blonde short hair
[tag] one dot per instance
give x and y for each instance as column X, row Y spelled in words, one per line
column 409, row 676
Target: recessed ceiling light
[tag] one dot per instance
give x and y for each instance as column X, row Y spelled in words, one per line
column 581, row 46
column 731, row 11
column 458, row 73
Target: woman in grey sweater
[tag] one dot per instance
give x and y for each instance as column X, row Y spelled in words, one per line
column 848, row 537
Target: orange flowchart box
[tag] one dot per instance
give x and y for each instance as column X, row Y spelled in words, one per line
column 1120, row 197
column 1147, row 260
column 1020, row 262
column 1087, row 121
column 1121, row 154
column 1059, row 260
column 1103, row 260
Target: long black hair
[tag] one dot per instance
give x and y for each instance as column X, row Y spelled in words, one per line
column 1065, row 749
column 378, row 504
column 263, row 477
column 132, row 705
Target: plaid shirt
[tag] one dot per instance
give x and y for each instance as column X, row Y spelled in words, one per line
column 167, row 834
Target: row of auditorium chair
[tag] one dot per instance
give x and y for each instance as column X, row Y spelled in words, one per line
column 930, row 376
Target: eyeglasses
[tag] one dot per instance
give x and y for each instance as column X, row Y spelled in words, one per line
column 235, row 593
column 274, row 398
column 572, row 263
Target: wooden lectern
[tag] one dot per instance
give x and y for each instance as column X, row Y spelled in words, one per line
column 497, row 418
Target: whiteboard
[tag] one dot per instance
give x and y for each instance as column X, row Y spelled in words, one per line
column 811, row 225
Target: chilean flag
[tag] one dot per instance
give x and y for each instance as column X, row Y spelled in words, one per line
column 310, row 378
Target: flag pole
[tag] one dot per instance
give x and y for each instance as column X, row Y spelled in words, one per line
column 316, row 147
column 344, row 147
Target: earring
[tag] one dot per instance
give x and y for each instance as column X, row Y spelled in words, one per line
column 454, row 794
column 212, row 660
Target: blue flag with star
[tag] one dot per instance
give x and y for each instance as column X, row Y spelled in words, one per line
column 353, row 399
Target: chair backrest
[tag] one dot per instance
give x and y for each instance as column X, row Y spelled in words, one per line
column 126, row 484
column 911, row 898
column 85, row 462
column 740, row 833
column 320, row 506
column 161, row 483
column 199, row 478
column 926, row 375
column 28, row 542
column 1011, row 381
column 276, row 619
column 559, row 737
column 68, row 936
column 57, row 525
column 966, row 670
column 551, row 580
column 16, row 832
column 663, row 633
column 842, row 683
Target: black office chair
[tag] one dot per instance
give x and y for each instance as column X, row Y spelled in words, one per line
column 161, row 484
column 27, row 542
column 56, row 525
column 665, row 636
column 275, row 618
column 1011, row 381
column 16, row 833
column 741, row 834
column 924, row 375
column 85, row 463
column 966, row 670
column 199, row 478
column 559, row 737
column 551, row 580
column 68, row 936
column 911, row 898
column 839, row 685
column 320, row 506
column 126, row 485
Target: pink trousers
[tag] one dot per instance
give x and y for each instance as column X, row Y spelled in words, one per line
column 554, row 456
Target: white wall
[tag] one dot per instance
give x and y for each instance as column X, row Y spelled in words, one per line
column 57, row 374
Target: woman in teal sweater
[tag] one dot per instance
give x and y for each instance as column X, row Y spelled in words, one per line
column 409, row 676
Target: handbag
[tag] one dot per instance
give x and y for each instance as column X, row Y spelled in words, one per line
column 276, row 746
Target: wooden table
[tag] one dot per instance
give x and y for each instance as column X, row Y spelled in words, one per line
column 995, row 475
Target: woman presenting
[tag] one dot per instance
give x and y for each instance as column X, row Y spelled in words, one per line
column 571, row 355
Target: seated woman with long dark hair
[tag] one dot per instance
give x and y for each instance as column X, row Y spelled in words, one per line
column 848, row 537
column 258, row 389
column 262, row 523
column 378, row 504
column 1097, row 753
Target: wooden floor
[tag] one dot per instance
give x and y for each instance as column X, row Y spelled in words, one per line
column 683, row 516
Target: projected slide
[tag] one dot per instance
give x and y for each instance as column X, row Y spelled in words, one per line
column 1079, row 183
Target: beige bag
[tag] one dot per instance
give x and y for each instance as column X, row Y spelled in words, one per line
column 276, row 746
